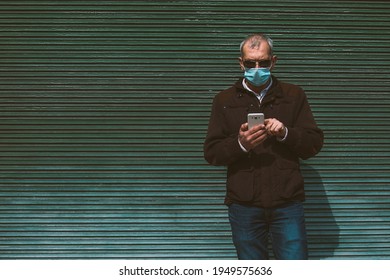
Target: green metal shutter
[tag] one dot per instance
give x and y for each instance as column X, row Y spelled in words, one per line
column 104, row 108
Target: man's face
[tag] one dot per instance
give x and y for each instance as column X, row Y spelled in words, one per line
column 258, row 57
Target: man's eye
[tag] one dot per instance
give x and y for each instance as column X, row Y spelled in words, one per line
column 265, row 63
column 250, row 64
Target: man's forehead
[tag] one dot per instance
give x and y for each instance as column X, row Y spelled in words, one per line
column 255, row 43
column 256, row 46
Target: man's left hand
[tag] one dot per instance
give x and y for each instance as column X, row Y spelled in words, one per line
column 275, row 127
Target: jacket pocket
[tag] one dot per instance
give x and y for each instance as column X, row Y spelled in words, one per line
column 240, row 185
column 289, row 180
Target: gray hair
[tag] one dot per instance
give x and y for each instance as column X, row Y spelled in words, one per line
column 255, row 40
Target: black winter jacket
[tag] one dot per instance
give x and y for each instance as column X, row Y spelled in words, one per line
column 268, row 175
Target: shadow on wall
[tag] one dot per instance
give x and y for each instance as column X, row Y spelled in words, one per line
column 322, row 229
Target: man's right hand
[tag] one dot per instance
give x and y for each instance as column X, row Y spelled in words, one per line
column 250, row 138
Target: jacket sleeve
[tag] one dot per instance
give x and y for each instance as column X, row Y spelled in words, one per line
column 304, row 138
column 220, row 147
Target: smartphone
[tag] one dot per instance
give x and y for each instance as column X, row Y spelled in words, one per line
column 255, row 119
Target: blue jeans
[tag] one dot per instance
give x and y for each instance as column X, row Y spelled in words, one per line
column 284, row 225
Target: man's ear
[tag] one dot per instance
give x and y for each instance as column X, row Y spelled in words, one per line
column 274, row 60
column 241, row 63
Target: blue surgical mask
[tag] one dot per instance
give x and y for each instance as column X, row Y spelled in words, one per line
column 257, row 76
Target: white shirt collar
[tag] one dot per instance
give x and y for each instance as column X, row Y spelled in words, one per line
column 260, row 95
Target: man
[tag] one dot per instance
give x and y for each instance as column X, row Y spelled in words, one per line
column 264, row 184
